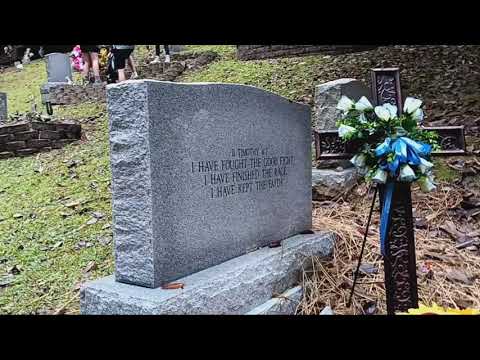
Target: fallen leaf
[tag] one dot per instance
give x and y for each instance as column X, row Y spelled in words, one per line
column 327, row 310
column 172, row 286
column 442, row 258
column 83, row 244
column 105, row 240
column 420, row 223
column 15, row 270
column 77, row 286
column 274, row 244
column 370, row 308
column 98, row 215
column 92, row 221
column 60, row 311
column 17, row 216
column 92, row 265
column 368, row 269
column 57, row 245
column 470, row 203
column 6, row 280
column 450, row 228
column 73, row 163
column 463, row 304
column 73, row 204
column 460, row 276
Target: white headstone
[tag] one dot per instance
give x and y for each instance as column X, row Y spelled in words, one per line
column 59, row 68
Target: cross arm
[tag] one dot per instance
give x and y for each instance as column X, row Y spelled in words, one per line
column 329, row 146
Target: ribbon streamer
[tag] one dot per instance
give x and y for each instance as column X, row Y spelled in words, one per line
column 386, row 215
column 405, row 152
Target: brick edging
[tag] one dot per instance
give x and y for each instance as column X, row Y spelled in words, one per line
column 27, row 138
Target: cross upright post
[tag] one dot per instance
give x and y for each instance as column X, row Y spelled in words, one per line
column 399, row 261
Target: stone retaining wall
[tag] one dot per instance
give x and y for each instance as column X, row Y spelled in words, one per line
column 27, row 138
column 251, row 52
column 65, row 94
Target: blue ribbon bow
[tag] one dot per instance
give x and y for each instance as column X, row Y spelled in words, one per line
column 405, row 151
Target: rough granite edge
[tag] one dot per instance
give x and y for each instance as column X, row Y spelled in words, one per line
column 234, row 287
column 130, row 248
column 191, row 84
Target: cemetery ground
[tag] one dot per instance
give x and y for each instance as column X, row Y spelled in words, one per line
column 55, row 207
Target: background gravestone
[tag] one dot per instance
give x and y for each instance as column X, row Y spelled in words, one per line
column 334, row 177
column 203, row 173
column 327, row 96
column 175, row 49
column 58, row 68
column 3, row 107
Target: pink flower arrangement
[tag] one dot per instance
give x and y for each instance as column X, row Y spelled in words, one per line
column 76, row 58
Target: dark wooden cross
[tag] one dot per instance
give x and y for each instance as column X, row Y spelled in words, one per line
column 399, row 262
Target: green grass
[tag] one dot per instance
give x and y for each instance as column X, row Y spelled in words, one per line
column 40, row 229
column 293, row 78
column 225, row 51
column 23, row 87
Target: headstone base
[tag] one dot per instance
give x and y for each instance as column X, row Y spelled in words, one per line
column 238, row 286
column 285, row 304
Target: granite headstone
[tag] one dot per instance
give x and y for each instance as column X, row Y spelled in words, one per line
column 175, row 49
column 327, row 96
column 59, row 68
column 3, row 107
column 203, row 173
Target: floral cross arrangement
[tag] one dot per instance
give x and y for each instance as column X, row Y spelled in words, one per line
column 391, row 146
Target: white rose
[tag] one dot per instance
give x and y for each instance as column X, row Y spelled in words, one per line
column 418, row 115
column 426, row 184
column 392, row 109
column 359, row 160
column 363, row 104
column 411, row 105
column 424, row 166
column 345, row 130
column 382, row 113
column 380, row 177
column 407, row 174
column 363, row 170
column 345, row 104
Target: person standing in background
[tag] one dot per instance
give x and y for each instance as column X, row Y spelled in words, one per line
column 121, row 54
column 131, row 63
column 90, row 58
column 157, row 54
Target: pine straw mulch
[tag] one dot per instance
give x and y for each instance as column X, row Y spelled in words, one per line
column 447, row 275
